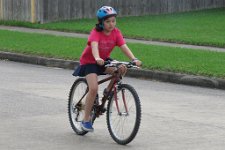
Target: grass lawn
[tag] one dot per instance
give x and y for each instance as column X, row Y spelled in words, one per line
column 154, row 57
column 199, row 27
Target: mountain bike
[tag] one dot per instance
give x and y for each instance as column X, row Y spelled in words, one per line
column 123, row 111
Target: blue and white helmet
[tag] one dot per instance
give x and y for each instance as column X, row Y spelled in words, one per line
column 106, row 11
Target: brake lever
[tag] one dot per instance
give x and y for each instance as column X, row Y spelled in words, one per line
column 132, row 65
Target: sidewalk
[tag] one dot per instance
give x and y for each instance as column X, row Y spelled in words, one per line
column 80, row 35
column 146, row 74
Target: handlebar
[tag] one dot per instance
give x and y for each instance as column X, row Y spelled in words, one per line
column 115, row 63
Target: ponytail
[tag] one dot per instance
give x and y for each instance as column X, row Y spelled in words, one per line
column 99, row 26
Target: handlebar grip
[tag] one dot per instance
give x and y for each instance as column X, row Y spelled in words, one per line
column 133, row 63
column 106, row 62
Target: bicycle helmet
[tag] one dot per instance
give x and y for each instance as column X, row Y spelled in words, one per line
column 105, row 11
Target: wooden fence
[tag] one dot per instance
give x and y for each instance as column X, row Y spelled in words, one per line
column 53, row 10
column 22, row 10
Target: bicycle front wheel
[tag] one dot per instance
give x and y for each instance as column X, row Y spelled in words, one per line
column 124, row 114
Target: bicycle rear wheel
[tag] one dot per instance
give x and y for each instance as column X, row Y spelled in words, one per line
column 124, row 116
column 76, row 110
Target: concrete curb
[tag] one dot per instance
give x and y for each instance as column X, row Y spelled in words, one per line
column 146, row 74
column 50, row 62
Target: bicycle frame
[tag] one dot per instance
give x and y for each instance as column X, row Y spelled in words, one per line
column 100, row 108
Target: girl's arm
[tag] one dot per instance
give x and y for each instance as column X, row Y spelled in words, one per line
column 129, row 54
column 95, row 52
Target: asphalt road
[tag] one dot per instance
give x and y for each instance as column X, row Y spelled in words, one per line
column 33, row 114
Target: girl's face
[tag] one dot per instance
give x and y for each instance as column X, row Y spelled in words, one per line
column 109, row 24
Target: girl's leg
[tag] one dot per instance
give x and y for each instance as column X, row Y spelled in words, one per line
column 92, row 80
column 110, row 70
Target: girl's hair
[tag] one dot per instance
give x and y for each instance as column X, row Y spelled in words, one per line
column 99, row 26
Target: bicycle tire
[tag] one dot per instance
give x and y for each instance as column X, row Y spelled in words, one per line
column 130, row 94
column 73, row 113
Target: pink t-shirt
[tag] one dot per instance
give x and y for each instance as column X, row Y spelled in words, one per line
column 106, row 43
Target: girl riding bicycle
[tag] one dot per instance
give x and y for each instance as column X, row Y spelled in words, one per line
column 102, row 39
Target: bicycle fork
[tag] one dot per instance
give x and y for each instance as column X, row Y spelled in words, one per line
column 117, row 103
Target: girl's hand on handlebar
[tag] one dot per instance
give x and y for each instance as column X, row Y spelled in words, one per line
column 99, row 61
column 137, row 62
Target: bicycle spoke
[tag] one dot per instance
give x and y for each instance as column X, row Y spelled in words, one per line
column 120, row 123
